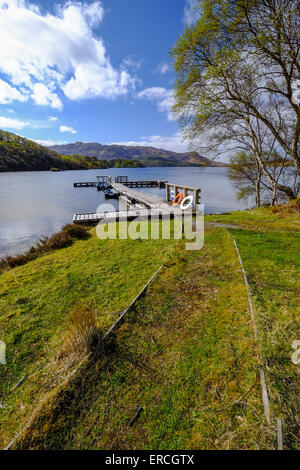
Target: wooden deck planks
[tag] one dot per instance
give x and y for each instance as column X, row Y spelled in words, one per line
column 159, row 207
column 105, row 217
column 129, row 184
column 149, row 200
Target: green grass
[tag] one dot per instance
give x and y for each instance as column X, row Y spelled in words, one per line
column 286, row 218
column 37, row 299
column 185, row 355
column 272, row 263
column 270, row 250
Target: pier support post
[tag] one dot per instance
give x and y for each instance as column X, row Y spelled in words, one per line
column 167, row 192
column 196, row 198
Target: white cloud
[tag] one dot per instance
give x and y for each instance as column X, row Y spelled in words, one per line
column 53, row 118
column 67, row 129
column 162, row 68
column 49, row 142
column 44, row 97
column 48, row 53
column 174, row 143
column 190, row 14
column 9, row 123
column 163, row 97
column 9, row 94
column 131, row 63
column 92, row 80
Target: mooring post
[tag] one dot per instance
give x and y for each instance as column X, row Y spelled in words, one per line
column 167, row 192
column 196, row 195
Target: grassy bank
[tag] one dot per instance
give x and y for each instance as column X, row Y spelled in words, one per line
column 38, row 299
column 272, row 263
column 186, row 354
column 286, row 218
column 270, row 250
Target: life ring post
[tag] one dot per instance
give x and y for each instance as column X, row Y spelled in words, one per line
column 175, row 190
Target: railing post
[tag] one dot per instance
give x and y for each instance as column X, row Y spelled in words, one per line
column 195, row 200
column 167, row 192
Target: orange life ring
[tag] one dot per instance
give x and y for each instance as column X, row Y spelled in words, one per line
column 178, row 199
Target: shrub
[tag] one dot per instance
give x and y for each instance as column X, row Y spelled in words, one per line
column 83, row 336
column 62, row 239
column 292, row 207
column 14, row 261
column 59, row 240
column 76, row 231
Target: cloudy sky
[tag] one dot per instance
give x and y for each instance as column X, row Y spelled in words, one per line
column 90, row 71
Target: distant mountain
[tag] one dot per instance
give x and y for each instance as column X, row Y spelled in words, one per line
column 148, row 156
column 20, row 154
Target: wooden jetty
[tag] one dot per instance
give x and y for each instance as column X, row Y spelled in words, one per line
column 130, row 184
column 103, row 179
column 153, row 201
column 132, row 197
column 147, row 200
column 146, row 184
column 140, row 202
column 86, row 184
column 172, row 189
column 93, row 218
column 141, row 183
column 93, row 184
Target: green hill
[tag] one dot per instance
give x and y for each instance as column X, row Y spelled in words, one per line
column 20, row 154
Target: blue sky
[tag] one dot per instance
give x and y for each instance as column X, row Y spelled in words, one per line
column 90, row 71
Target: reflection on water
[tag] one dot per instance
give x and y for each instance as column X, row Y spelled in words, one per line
column 36, row 204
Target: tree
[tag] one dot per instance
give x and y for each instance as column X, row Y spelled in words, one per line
column 246, row 176
column 236, row 67
column 270, row 31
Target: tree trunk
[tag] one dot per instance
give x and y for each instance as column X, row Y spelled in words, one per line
column 257, row 187
column 274, row 197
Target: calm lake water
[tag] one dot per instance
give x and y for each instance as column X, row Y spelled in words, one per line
column 36, row 204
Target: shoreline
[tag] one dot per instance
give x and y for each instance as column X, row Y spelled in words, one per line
column 40, row 203
column 113, row 168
